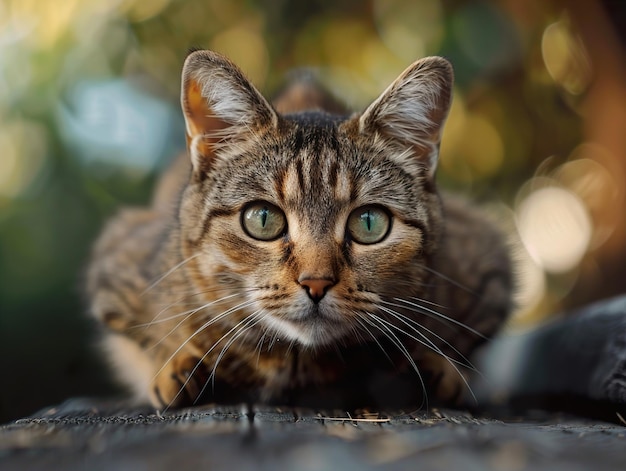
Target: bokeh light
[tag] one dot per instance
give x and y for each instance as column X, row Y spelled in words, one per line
column 24, row 147
column 565, row 57
column 410, row 29
column 555, row 228
column 141, row 11
column 600, row 189
column 245, row 46
column 472, row 147
column 114, row 124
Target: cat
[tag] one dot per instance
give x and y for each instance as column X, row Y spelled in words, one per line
column 301, row 257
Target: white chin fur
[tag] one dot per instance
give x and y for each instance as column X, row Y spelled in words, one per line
column 314, row 334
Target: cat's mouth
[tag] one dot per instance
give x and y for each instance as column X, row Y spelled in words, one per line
column 317, row 314
column 312, row 328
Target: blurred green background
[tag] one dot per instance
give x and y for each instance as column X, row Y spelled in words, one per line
column 89, row 116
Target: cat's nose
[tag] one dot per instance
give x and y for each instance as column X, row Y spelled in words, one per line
column 316, row 288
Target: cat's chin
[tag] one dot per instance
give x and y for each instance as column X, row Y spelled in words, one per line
column 310, row 333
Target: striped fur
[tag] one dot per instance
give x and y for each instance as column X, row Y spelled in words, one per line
column 196, row 309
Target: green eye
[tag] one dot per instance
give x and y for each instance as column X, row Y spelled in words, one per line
column 369, row 224
column 263, row 221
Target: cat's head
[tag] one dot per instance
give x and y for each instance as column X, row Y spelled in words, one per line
column 305, row 225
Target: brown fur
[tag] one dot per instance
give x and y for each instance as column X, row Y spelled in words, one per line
column 197, row 309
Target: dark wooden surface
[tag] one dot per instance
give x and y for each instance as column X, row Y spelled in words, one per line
column 87, row 435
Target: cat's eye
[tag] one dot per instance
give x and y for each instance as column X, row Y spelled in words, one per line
column 369, row 224
column 263, row 221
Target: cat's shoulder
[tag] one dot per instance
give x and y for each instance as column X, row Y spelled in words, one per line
column 463, row 213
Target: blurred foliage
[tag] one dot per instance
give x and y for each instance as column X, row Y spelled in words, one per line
column 89, row 115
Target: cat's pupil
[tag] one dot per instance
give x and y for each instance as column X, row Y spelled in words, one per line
column 263, row 212
column 367, row 217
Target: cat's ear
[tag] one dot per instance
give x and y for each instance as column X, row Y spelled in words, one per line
column 220, row 106
column 413, row 109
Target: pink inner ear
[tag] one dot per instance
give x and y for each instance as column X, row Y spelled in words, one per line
column 200, row 120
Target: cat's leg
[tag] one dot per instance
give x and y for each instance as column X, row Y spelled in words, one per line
column 446, row 380
column 179, row 381
column 144, row 359
column 153, row 377
column 133, row 368
column 151, row 370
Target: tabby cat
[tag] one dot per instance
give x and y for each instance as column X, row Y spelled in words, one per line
column 302, row 258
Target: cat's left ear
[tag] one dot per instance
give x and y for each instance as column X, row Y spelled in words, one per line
column 412, row 111
column 220, row 106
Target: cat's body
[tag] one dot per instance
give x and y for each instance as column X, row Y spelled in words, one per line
column 304, row 258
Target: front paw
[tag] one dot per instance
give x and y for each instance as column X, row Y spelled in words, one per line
column 447, row 381
column 180, row 383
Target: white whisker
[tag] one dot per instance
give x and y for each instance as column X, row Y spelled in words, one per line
column 431, row 345
column 168, row 273
column 387, row 332
column 433, row 314
column 200, row 329
column 449, row 280
column 414, row 325
column 361, row 322
column 156, row 319
column 252, row 320
column 259, row 347
column 207, row 324
column 201, row 360
column 184, row 313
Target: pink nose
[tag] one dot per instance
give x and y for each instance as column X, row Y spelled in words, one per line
column 316, row 287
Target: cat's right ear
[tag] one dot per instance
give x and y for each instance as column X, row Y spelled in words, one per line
column 220, row 106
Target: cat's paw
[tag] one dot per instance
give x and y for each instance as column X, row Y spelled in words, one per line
column 180, row 382
column 447, row 382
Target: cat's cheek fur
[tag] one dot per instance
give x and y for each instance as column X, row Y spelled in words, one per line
column 394, row 259
column 225, row 249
